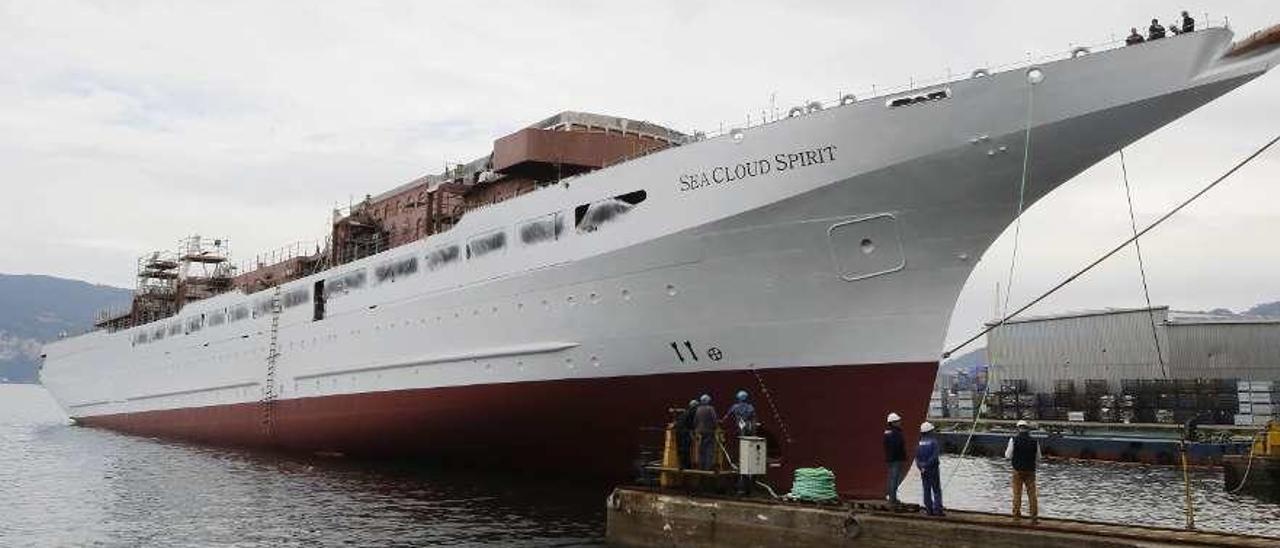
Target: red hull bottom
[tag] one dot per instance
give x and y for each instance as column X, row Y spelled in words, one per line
column 825, row 416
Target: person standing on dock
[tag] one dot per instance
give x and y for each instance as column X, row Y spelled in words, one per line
column 684, row 434
column 704, row 425
column 895, row 455
column 1024, row 452
column 744, row 415
column 930, row 474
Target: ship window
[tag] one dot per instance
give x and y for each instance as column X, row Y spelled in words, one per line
column 141, row 338
column 918, row 98
column 295, row 297
column 158, row 334
column 486, row 243
column 195, row 323
column 176, row 328
column 442, row 256
column 543, row 229
column 239, row 312
column 589, row 217
column 342, row 284
column 262, row 307
column 217, row 317
column 389, row 271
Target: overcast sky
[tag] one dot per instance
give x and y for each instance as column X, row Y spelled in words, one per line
column 127, row 125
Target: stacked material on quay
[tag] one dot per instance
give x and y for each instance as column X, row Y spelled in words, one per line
column 1258, row 402
column 1156, row 401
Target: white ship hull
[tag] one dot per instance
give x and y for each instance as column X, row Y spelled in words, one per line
column 818, row 258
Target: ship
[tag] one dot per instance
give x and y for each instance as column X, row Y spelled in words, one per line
column 539, row 307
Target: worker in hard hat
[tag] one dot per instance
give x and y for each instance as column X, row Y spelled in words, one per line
column 1024, row 452
column 743, row 414
column 927, row 461
column 704, row 428
column 895, row 456
column 684, row 433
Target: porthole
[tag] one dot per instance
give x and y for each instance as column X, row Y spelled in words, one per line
column 671, row 290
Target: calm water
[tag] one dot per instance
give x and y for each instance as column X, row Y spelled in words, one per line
column 67, row 486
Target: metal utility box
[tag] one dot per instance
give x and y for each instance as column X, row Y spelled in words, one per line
column 751, row 456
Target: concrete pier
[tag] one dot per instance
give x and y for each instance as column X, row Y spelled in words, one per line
column 642, row 518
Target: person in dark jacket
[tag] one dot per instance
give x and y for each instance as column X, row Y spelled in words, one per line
column 1188, row 24
column 684, row 433
column 704, row 426
column 1155, row 31
column 895, row 455
column 1134, row 38
column 930, row 469
column 743, row 414
column 1024, row 451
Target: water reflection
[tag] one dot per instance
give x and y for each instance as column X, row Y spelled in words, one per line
column 77, row 486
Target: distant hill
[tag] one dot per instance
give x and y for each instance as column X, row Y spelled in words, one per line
column 1264, row 309
column 35, row 309
column 964, row 362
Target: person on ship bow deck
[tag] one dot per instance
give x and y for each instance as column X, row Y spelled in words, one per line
column 1134, row 38
column 895, row 455
column 1188, row 24
column 1024, row 452
column 1155, row 31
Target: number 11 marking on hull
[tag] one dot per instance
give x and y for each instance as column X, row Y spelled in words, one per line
column 692, row 354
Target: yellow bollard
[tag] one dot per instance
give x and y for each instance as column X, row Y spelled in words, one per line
column 670, row 457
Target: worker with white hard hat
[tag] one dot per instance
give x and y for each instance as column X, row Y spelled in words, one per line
column 1023, row 451
column 895, row 456
column 927, row 453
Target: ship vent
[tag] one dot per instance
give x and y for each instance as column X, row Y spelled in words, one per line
column 866, row 247
column 926, row 97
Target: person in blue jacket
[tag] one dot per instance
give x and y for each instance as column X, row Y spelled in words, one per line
column 927, row 461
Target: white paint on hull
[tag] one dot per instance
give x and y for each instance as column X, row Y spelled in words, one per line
column 856, row 259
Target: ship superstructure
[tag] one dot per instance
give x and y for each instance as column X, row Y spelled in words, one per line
column 552, row 297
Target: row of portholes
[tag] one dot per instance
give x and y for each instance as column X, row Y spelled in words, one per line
column 354, row 380
column 300, row 345
column 571, row 300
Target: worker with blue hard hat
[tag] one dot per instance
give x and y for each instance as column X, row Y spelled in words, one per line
column 744, row 415
column 704, row 428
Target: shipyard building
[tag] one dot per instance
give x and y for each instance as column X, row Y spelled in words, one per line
column 1129, row 365
column 1121, row 344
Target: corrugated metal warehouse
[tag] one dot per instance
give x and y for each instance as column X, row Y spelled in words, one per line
column 1118, row 344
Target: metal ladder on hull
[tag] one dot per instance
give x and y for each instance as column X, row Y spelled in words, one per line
column 269, row 393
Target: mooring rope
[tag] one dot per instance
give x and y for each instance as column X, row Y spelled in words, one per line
column 1253, row 448
column 1013, row 260
column 1115, row 250
column 1142, row 270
